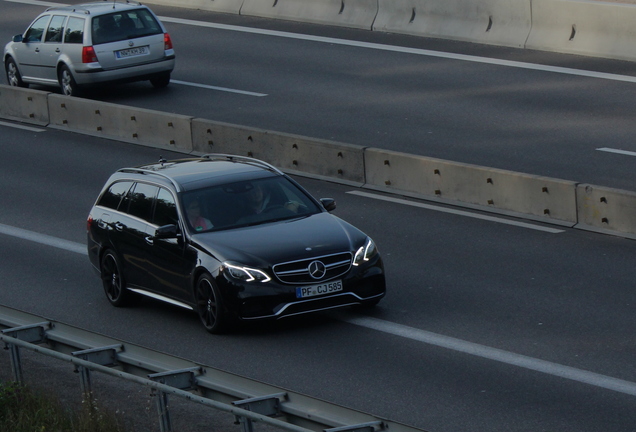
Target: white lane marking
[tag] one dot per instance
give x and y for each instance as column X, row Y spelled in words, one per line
column 225, row 89
column 458, row 212
column 19, row 126
column 369, row 45
column 418, row 335
column 622, row 152
column 546, row 367
column 43, row 239
column 406, row 50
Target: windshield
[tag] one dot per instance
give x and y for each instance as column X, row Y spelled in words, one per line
column 246, row 203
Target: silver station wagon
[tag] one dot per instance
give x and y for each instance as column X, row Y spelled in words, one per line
column 88, row 44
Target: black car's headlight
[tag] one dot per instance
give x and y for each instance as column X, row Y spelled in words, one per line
column 365, row 253
column 245, row 274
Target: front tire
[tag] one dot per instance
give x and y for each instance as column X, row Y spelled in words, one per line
column 13, row 74
column 210, row 305
column 67, row 82
column 113, row 280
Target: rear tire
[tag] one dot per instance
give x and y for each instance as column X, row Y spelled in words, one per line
column 210, row 305
column 67, row 82
column 13, row 74
column 113, row 280
column 161, row 81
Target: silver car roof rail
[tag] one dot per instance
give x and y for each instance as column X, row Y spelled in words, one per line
column 242, row 159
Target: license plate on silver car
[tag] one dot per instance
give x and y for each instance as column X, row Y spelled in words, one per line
column 315, row 290
column 132, row 52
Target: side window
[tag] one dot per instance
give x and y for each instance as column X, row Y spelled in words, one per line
column 165, row 209
column 35, row 32
column 74, row 31
column 113, row 196
column 56, row 29
column 141, row 200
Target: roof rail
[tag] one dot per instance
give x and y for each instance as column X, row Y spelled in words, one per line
column 242, row 159
column 146, row 171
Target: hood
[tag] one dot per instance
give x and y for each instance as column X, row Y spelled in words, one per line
column 277, row 242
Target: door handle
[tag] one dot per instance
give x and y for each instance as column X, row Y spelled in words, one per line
column 118, row 226
column 150, row 240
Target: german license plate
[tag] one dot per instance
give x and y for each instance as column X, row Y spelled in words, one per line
column 315, row 290
column 132, row 52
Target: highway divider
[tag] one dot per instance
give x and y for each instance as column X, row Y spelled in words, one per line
column 133, row 125
column 292, row 153
column 346, row 13
column 497, row 22
column 26, row 105
column 549, row 200
column 593, row 28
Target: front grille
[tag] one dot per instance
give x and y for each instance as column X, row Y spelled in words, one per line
column 298, row 272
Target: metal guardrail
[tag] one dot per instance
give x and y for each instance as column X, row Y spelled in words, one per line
column 248, row 400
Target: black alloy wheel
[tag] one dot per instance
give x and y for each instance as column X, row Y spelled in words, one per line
column 113, row 280
column 209, row 305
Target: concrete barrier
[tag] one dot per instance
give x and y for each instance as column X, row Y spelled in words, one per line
column 345, row 13
column 24, row 105
column 599, row 29
column 292, row 153
column 225, row 6
column 497, row 22
column 546, row 199
column 606, row 210
column 133, row 125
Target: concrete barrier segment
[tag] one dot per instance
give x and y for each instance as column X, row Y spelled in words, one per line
column 606, row 210
column 24, row 105
column 128, row 124
column 225, row 6
column 495, row 22
column 338, row 161
column 547, row 199
column 345, row 13
column 599, row 29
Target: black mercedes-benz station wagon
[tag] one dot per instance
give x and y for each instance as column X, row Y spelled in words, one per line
column 232, row 238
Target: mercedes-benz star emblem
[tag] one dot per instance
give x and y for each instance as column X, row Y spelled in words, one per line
column 317, row 269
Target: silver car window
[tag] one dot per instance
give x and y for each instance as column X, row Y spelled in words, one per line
column 74, row 30
column 56, row 29
column 36, row 31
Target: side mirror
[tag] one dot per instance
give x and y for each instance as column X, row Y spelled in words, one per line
column 166, row 232
column 18, row 38
column 328, row 203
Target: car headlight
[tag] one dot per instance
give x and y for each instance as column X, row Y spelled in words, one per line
column 246, row 274
column 365, row 253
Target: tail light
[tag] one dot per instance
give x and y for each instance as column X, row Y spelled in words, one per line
column 89, row 223
column 167, row 42
column 88, row 55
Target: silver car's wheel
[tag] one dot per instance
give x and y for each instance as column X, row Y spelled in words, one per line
column 13, row 74
column 67, row 82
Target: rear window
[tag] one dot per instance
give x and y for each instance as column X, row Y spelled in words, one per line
column 113, row 196
column 124, row 25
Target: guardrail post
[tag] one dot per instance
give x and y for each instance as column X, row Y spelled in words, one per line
column 32, row 333
column 265, row 405
column 183, row 379
column 105, row 356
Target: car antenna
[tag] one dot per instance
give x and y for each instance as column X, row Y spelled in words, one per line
column 162, row 160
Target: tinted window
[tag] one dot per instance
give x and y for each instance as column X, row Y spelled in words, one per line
column 56, row 29
column 74, row 31
column 35, row 32
column 249, row 203
column 119, row 26
column 165, row 209
column 141, row 200
column 112, row 197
